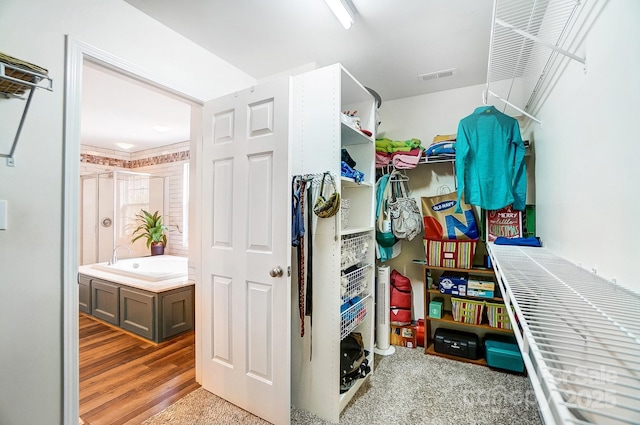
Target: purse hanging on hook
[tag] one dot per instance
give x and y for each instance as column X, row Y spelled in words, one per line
column 326, row 208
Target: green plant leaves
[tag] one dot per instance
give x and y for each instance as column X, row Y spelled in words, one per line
column 150, row 227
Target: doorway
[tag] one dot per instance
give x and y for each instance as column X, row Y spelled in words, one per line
column 79, row 54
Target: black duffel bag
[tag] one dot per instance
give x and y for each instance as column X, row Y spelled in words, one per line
column 353, row 361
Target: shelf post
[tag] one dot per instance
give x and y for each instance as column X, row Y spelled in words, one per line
column 10, row 160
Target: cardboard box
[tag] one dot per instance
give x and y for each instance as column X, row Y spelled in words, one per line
column 480, row 293
column 435, row 308
column 481, row 282
column 404, row 336
column 454, row 283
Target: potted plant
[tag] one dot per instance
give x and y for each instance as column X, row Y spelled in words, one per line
column 151, row 227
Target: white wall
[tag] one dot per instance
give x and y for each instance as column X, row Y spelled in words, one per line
column 173, row 171
column 30, row 249
column 587, row 152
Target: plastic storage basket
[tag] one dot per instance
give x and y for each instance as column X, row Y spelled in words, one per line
column 498, row 316
column 467, row 311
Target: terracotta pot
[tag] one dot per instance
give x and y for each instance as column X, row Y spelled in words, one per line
column 157, row 248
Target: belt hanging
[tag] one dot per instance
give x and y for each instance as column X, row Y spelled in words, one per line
column 298, row 188
column 309, row 299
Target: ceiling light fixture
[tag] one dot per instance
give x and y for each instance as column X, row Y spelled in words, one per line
column 124, row 145
column 344, row 11
column 161, row 128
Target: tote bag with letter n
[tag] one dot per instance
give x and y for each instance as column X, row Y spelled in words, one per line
column 441, row 222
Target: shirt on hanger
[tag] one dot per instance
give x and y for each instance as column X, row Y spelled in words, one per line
column 490, row 167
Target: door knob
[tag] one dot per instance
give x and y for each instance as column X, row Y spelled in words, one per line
column 276, row 272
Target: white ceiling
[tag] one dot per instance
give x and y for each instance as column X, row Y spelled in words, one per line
column 118, row 109
column 391, row 43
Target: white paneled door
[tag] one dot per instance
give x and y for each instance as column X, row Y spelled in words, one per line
column 246, row 216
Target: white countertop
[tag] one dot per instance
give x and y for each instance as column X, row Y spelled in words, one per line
column 160, row 286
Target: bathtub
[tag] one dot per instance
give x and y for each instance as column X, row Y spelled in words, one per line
column 148, row 296
column 155, row 268
column 155, row 273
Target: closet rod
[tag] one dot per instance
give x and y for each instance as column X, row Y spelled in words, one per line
column 485, row 99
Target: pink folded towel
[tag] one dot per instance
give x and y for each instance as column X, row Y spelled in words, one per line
column 406, row 160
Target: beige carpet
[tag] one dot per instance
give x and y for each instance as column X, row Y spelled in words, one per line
column 408, row 387
column 200, row 407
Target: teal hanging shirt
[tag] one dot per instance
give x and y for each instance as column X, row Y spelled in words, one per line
column 490, row 168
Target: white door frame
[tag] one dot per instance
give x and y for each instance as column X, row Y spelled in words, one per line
column 76, row 52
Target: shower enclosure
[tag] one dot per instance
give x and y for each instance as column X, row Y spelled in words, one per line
column 109, row 203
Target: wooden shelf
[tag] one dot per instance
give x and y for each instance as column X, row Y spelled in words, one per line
column 448, row 317
column 487, row 272
column 497, row 299
column 430, row 350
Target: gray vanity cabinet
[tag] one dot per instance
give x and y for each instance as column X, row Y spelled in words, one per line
column 84, row 294
column 137, row 312
column 104, row 301
column 177, row 312
column 153, row 315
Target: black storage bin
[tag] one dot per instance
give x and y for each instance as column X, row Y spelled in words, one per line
column 457, row 343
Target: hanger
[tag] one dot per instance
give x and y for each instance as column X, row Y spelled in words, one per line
column 397, row 176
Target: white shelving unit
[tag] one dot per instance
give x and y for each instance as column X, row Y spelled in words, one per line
column 319, row 136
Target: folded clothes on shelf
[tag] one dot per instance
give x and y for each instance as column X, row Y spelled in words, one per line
column 528, row 241
column 346, row 171
column 446, row 147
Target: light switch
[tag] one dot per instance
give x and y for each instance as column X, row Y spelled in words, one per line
column 3, row 215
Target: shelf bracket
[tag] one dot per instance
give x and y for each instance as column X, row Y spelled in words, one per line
column 16, row 88
column 9, row 156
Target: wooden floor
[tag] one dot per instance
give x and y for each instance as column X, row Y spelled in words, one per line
column 125, row 380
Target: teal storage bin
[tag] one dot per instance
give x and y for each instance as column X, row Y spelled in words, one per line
column 503, row 353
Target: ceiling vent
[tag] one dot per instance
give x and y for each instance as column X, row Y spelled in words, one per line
column 438, row 74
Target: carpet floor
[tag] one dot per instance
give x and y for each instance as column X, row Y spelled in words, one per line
column 408, row 387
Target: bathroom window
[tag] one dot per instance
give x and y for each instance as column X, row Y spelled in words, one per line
column 185, row 205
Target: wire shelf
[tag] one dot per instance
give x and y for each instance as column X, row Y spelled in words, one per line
column 579, row 335
column 19, row 79
column 352, row 316
column 355, row 282
column 354, row 249
column 526, row 37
